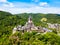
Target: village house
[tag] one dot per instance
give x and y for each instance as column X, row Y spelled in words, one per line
column 54, row 26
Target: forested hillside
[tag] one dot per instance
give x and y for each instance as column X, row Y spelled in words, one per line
column 8, row 21
column 51, row 18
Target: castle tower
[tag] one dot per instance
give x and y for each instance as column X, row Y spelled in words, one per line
column 29, row 24
column 30, row 20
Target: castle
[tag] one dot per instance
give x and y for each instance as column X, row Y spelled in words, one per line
column 29, row 26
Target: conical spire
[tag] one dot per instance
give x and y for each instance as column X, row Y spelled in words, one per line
column 30, row 19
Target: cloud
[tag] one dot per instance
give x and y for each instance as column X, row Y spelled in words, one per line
column 8, row 4
column 35, row 0
column 18, row 7
column 3, row 0
column 23, row 5
column 36, row 9
column 43, row 4
column 11, row 4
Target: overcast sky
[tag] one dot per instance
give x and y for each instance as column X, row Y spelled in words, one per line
column 30, row 6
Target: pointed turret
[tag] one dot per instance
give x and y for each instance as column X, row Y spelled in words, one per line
column 29, row 19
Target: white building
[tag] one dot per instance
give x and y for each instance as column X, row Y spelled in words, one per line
column 54, row 26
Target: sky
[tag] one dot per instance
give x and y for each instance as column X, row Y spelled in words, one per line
column 30, row 6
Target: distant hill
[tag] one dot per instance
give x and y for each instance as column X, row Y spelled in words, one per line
column 52, row 18
column 5, row 13
column 9, row 19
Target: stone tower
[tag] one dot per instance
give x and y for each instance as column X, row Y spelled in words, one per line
column 29, row 24
column 30, row 20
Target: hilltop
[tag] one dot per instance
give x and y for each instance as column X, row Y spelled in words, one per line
column 8, row 21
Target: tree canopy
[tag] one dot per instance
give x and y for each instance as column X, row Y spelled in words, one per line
column 8, row 21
